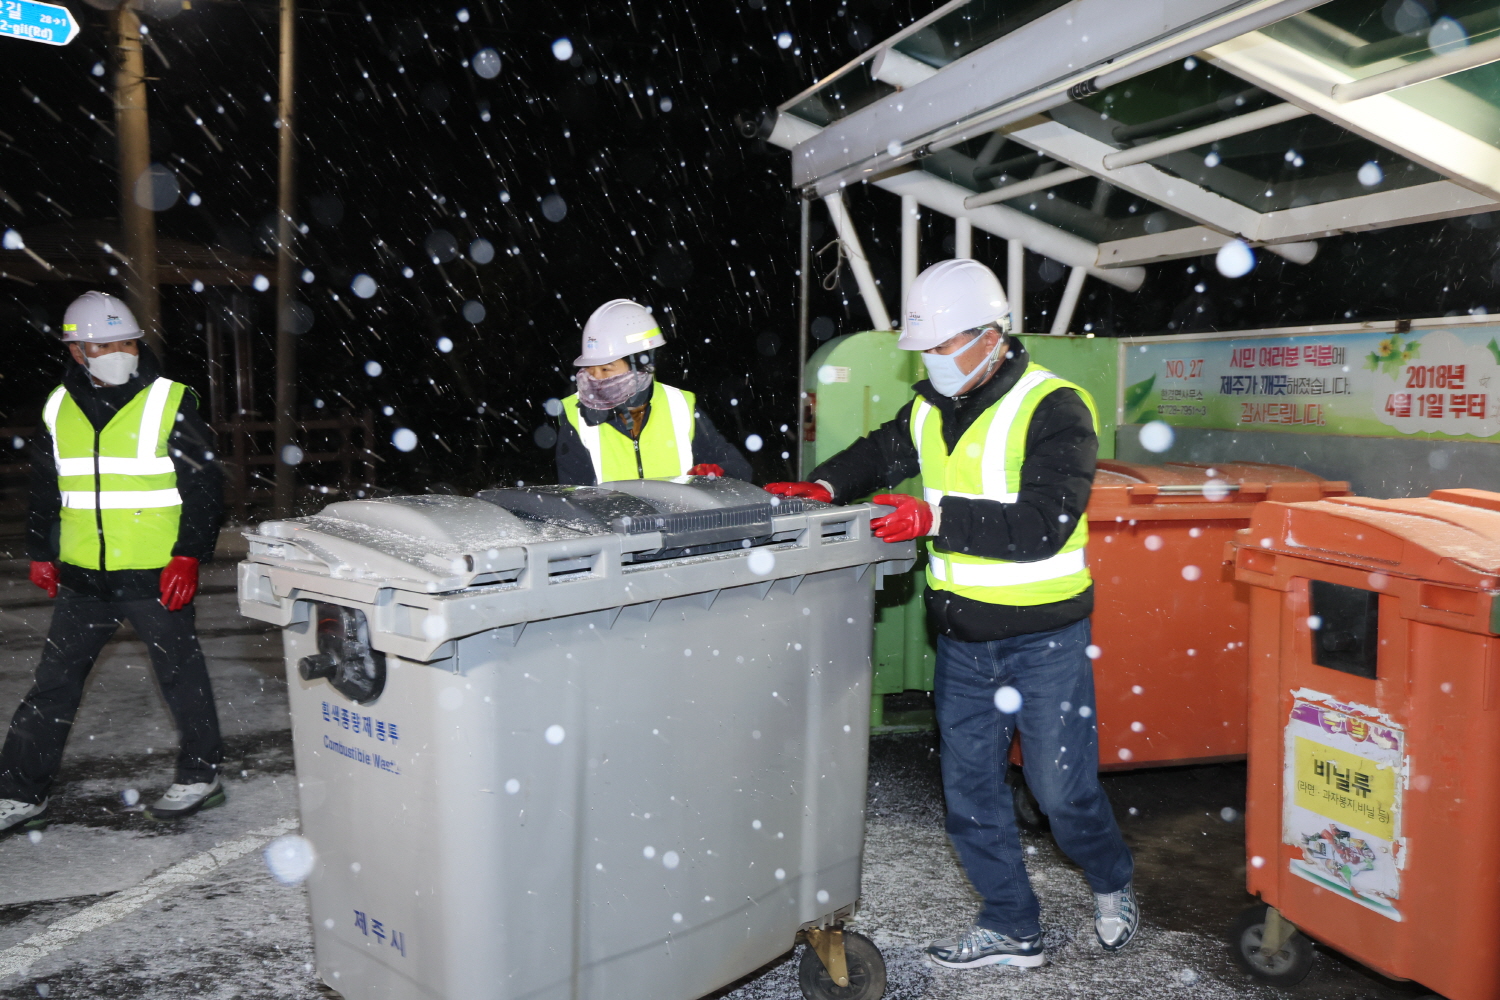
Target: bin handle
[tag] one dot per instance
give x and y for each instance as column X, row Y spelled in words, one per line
column 1186, row 489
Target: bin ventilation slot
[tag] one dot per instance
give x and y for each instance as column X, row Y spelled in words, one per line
column 837, row 531
column 562, row 569
column 1347, row 633
column 497, row 577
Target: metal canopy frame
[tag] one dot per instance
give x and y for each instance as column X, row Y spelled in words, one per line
column 1076, row 49
column 1295, row 76
column 912, row 118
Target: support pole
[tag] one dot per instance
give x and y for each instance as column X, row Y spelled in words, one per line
column 137, row 221
column 858, row 262
column 804, row 295
column 911, row 247
column 214, row 348
column 1051, row 179
column 963, row 238
column 1015, row 283
column 286, row 344
column 1069, row 303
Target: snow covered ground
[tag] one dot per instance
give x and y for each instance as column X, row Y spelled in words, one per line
column 106, row 904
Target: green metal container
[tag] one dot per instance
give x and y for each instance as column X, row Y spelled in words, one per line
column 858, row 382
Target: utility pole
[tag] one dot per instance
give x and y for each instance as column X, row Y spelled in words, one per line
column 286, row 343
column 137, row 220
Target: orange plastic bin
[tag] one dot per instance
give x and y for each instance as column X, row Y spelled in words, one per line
column 1373, row 818
column 1170, row 623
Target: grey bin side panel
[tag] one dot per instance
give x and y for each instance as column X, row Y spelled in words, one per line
column 566, row 577
column 513, row 865
column 1373, row 466
column 501, row 893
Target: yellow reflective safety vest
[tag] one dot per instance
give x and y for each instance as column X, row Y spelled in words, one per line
column 120, row 505
column 664, row 449
column 985, row 464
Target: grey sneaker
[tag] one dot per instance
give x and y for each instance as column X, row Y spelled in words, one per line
column 15, row 814
column 981, row 946
column 1116, row 917
column 182, row 801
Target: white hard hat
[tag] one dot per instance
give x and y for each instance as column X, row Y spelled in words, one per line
column 949, row 298
column 99, row 318
column 617, row 328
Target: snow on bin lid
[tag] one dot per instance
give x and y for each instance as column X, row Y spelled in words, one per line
column 1122, row 489
column 457, row 521
column 431, row 543
column 1452, row 536
column 689, row 493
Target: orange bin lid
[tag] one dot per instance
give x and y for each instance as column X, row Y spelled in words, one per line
column 1229, row 490
column 1450, row 536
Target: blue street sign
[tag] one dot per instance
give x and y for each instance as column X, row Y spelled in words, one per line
column 37, row 22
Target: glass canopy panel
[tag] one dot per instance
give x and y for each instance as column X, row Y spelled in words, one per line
column 840, row 96
column 1306, row 161
column 971, row 27
column 1362, row 39
column 1090, row 208
column 952, row 36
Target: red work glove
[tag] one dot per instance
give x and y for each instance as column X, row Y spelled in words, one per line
column 44, row 575
column 809, row 491
column 179, row 582
column 707, row 469
column 912, row 518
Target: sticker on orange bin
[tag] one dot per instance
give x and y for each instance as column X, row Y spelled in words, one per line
column 1342, row 782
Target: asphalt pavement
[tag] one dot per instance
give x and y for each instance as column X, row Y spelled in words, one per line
column 106, row 903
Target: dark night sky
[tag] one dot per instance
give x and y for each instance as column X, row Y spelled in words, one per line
column 402, row 142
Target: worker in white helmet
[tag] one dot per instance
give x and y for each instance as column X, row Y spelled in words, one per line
column 1006, row 452
column 622, row 423
column 125, row 504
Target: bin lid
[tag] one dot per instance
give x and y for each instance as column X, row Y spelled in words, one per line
column 1228, row 490
column 691, row 513
column 1450, row 536
column 417, row 542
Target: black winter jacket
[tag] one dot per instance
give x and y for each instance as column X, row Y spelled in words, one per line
column 199, row 480
column 575, row 468
column 1056, row 479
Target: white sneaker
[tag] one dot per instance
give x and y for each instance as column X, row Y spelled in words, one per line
column 981, row 946
column 15, row 813
column 181, row 801
column 1117, row 915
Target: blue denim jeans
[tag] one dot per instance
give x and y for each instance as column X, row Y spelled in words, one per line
column 1055, row 679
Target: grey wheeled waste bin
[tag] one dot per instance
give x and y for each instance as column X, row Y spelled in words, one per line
column 577, row 742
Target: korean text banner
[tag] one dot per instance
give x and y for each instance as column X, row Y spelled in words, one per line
column 1438, row 382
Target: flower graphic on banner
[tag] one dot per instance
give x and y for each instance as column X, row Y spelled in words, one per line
column 1392, row 354
column 1454, row 389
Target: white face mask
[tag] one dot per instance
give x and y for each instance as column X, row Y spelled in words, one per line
column 945, row 374
column 114, row 368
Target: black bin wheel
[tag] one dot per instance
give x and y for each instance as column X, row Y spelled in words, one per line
column 1287, row 967
column 866, row 972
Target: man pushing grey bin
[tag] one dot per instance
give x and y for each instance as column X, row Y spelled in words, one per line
column 579, row 742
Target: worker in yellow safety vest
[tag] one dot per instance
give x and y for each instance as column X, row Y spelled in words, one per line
column 1006, row 452
column 125, row 504
column 622, row 423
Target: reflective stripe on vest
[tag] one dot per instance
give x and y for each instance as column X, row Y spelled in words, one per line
column 120, row 507
column 992, row 460
column 1005, row 574
column 121, row 499
column 985, row 464
column 666, row 442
